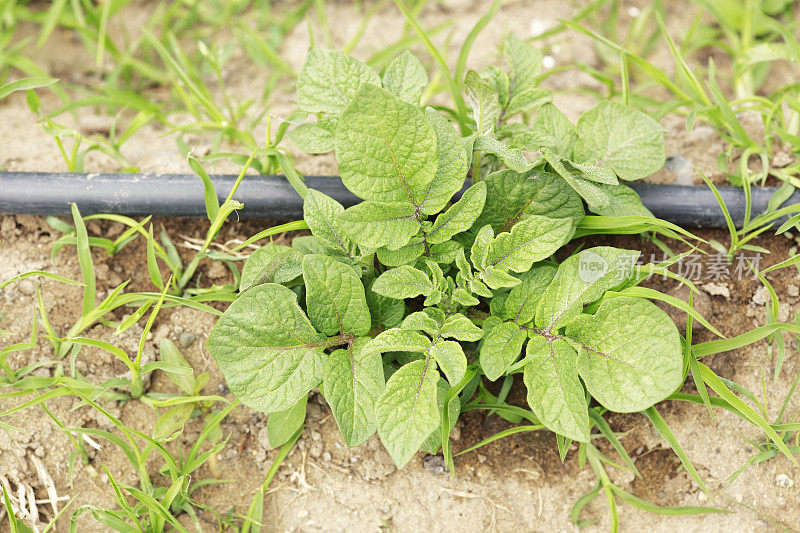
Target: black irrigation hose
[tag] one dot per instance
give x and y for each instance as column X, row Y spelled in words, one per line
column 181, row 195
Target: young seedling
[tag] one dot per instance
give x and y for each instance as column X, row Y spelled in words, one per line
column 393, row 305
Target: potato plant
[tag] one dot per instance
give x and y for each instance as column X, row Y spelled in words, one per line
column 394, row 305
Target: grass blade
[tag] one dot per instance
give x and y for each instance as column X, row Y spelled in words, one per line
column 663, row 429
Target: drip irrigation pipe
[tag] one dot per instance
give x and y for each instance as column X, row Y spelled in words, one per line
column 181, row 195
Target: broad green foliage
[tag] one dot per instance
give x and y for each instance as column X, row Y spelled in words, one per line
column 273, row 262
column 385, row 147
column 384, row 306
column 335, row 297
column 267, row 348
column 330, row 80
column 613, row 136
column 555, row 393
column 405, row 77
column 353, row 382
column 407, row 410
column 629, row 347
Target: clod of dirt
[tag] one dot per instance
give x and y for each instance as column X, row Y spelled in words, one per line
column 434, row 464
column 681, row 167
column 793, row 291
column 717, row 289
column 26, row 287
column 761, row 296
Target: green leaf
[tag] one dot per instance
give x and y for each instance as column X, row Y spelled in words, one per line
column 484, row 101
column 170, row 354
column 451, row 360
column 529, row 241
column 499, row 80
column 520, row 305
column 386, row 148
column 624, row 201
column 630, row 356
column 526, row 138
column 434, row 440
column 398, row 340
column 335, row 297
column 311, row 244
column 320, row 212
column 171, row 421
column 315, row 137
column 374, row 224
column 453, row 164
column 525, row 65
column 512, row 196
column 591, row 192
column 463, row 297
column 271, row 263
column 500, row 348
column 408, row 254
column 497, row 278
column 421, row 321
column 480, row 249
column 621, row 138
column 528, row 99
column 386, row 312
column 582, row 279
column 405, row 77
column 510, row 157
column 353, row 383
column 407, row 410
column 595, row 173
column 403, row 282
column 267, row 349
column 209, row 193
column 460, row 216
column 555, row 393
column 663, row 429
column 555, row 124
column 330, row 80
column 446, row 252
column 282, row 425
column 459, row 327
column 25, row 84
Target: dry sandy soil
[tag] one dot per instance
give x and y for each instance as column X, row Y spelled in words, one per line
column 517, row 483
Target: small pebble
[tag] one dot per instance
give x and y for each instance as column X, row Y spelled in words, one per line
column 302, row 513
column 793, row 290
column 314, row 411
column 434, row 464
column 26, row 287
column 263, row 439
column 782, row 480
column 481, row 458
column 315, row 450
column 326, row 456
column 761, row 296
column 186, row 339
